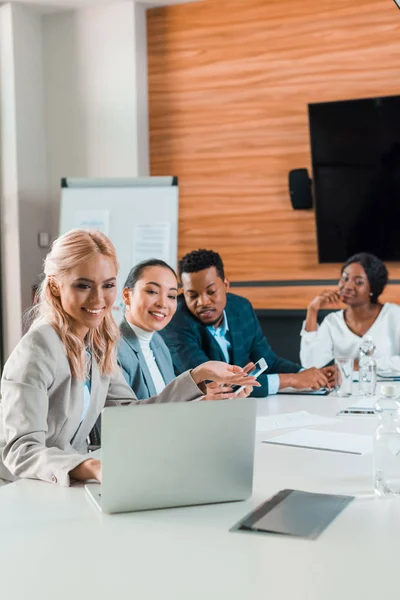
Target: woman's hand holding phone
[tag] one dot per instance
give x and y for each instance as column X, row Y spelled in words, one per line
column 244, row 379
column 253, row 370
column 216, row 391
column 224, row 373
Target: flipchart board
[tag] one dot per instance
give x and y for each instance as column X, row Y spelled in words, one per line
column 139, row 215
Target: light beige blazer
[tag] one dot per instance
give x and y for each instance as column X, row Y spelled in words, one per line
column 41, row 405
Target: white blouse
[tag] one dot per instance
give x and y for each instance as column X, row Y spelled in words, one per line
column 334, row 339
column 144, row 338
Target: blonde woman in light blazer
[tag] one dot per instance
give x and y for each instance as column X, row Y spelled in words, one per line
column 64, row 370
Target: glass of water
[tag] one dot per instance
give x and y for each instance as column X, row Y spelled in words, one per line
column 344, row 376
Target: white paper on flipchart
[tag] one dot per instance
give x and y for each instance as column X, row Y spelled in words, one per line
column 333, row 441
column 300, row 418
column 151, row 240
column 93, row 219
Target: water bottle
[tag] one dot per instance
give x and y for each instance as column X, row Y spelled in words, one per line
column 387, row 443
column 367, row 368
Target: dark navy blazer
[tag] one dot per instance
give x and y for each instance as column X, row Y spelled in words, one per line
column 191, row 344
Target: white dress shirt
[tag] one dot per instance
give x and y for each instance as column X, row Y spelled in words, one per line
column 220, row 336
column 333, row 339
column 144, row 338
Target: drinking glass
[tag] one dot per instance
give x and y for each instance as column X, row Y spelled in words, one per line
column 344, row 376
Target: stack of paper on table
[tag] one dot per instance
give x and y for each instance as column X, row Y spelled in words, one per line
column 333, row 441
column 363, row 403
column 301, row 418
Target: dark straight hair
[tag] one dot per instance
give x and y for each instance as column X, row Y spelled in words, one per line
column 137, row 271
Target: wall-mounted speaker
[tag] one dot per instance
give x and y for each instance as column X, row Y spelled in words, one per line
column 300, row 189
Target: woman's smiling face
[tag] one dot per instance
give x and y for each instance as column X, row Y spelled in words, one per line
column 152, row 302
column 87, row 292
column 354, row 288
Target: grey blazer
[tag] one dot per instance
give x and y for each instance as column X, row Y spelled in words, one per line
column 41, row 405
column 133, row 363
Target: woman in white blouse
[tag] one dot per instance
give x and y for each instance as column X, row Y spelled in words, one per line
column 362, row 280
column 150, row 297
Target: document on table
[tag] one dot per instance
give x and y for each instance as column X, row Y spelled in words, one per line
column 388, row 376
column 348, row 443
column 364, row 403
column 301, row 418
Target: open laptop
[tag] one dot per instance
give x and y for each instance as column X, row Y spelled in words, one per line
column 178, row 454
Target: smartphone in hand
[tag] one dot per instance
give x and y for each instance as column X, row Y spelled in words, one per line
column 259, row 367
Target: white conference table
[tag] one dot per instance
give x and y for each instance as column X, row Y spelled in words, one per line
column 54, row 543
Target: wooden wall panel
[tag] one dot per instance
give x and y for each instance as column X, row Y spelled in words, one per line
column 296, row 297
column 229, row 84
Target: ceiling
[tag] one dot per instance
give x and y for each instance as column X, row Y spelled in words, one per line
column 48, row 6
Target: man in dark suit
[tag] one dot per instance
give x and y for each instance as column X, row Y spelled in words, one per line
column 211, row 324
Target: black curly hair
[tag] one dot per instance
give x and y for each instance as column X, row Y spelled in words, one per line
column 197, row 260
column 375, row 269
column 137, row 271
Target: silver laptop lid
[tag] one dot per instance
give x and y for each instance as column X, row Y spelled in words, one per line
column 177, row 454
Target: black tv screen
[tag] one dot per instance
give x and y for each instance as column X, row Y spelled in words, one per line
column 355, row 150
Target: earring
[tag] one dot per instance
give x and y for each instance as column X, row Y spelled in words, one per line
column 370, row 293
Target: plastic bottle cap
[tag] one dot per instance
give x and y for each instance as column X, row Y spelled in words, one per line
column 387, row 390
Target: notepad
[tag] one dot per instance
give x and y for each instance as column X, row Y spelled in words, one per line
column 300, row 418
column 294, row 512
column 331, row 441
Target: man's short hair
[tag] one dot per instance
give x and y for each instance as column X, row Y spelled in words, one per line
column 198, row 260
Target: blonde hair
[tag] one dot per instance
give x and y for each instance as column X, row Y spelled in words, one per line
column 68, row 251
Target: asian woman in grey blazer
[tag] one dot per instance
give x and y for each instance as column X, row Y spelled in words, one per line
column 150, row 297
column 149, row 294
column 64, row 370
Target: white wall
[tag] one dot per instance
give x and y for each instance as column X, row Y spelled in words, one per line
column 34, row 213
column 142, row 97
column 73, row 102
column 24, row 206
column 95, row 70
column 10, row 263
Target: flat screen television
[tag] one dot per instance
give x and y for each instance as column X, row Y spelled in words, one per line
column 355, row 151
